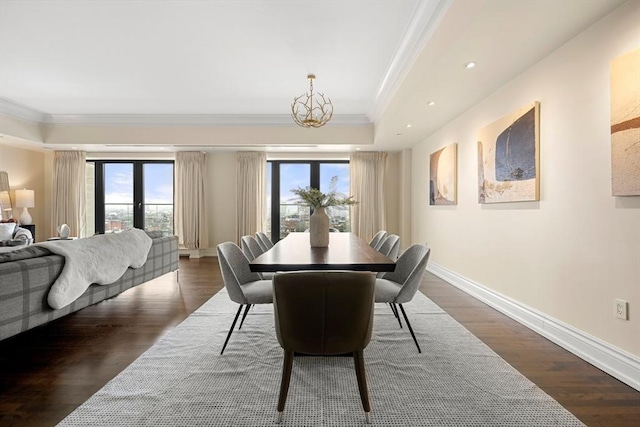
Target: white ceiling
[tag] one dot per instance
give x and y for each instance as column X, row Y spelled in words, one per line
column 243, row 61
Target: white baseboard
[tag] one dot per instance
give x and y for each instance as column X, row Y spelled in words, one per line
column 612, row 360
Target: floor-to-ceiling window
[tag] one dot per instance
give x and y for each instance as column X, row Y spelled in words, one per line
column 128, row 193
column 284, row 213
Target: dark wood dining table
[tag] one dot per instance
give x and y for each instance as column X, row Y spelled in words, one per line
column 346, row 251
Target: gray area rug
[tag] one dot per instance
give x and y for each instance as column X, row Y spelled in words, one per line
column 183, row 381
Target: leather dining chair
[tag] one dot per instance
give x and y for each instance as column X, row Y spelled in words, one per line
column 400, row 286
column 243, row 286
column 377, row 239
column 323, row 313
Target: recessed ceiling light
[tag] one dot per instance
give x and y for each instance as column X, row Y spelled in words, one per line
column 431, row 103
column 409, row 125
column 470, row 64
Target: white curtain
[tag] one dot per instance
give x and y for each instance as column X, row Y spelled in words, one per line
column 69, row 191
column 251, row 173
column 191, row 213
column 367, row 187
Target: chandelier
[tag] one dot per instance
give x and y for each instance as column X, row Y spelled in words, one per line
column 311, row 110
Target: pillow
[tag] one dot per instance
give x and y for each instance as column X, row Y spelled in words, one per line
column 23, row 234
column 6, row 230
column 154, row 234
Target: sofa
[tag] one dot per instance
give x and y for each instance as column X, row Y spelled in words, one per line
column 26, row 275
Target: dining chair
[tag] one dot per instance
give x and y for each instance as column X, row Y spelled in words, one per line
column 252, row 250
column 323, row 313
column 243, row 286
column 265, row 240
column 377, row 239
column 390, row 246
column 400, row 286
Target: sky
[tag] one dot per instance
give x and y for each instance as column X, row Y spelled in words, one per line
column 158, row 183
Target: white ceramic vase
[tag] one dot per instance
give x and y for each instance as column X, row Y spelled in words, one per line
column 319, row 228
column 64, row 231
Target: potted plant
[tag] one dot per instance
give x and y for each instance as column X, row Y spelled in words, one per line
column 319, row 221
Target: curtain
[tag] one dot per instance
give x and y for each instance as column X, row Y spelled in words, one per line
column 191, row 213
column 251, row 173
column 367, row 173
column 69, row 191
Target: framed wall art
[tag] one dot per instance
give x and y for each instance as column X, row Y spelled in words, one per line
column 625, row 124
column 509, row 157
column 443, row 176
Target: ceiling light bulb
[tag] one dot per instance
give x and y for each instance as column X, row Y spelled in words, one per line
column 409, row 125
column 431, row 103
column 470, row 64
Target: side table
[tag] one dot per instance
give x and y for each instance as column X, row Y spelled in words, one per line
column 31, row 228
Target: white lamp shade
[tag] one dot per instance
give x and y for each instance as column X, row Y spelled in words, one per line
column 5, row 201
column 25, row 198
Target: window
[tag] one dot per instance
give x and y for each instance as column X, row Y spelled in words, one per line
column 126, row 194
column 283, row 176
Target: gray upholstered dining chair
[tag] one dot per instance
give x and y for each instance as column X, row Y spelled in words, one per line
column 400, row 286
column 323, row 313
column 265, row 241
column 243, row 286
column 250, row 247
column 252, row 250
column 390, row 246
column 377, row 239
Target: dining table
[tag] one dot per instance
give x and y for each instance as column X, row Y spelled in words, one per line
column 346, row 251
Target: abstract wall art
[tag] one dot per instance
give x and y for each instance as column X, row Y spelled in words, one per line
column 625, row 124
column 443, row 176
column 509, row 157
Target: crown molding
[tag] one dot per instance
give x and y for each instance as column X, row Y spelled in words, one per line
column 20, row 111
column 424, row 22
column 244, row 120
column 23, row 112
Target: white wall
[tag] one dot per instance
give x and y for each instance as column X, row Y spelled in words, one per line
column 570, row 254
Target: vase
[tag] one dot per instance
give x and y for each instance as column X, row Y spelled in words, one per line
column 319, row 228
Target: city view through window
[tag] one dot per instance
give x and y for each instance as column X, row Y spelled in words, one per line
column 293, row 216
column 119, row 200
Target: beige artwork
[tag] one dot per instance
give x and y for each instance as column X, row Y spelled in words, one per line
column 508, row 157
column 625, row 124
column 442, row 176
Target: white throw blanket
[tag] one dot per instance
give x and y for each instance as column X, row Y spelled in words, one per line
column 98, row 259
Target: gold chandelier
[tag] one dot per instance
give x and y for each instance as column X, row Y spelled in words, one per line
column 310, row 112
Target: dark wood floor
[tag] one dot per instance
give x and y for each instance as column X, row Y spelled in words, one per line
column 47, row 372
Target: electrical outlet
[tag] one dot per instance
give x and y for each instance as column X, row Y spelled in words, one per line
column 620, row 307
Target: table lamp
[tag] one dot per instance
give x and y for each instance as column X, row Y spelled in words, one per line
column 25, row 199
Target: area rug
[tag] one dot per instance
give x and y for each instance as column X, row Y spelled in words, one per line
column 183, row 380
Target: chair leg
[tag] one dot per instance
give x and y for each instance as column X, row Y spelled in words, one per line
column 246, row 310
column 395, row 313
column 410, row 328
column 358, row 359
column 233, row 325
column 287, row 365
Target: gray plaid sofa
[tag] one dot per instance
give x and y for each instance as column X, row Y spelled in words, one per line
column 27, row 274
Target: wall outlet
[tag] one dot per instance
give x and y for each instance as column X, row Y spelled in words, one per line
column 620, row 307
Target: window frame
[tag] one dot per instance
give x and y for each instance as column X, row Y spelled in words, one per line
column 314, row 181
column 138, row 191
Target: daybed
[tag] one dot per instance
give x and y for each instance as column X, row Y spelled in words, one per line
column 26, row 275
